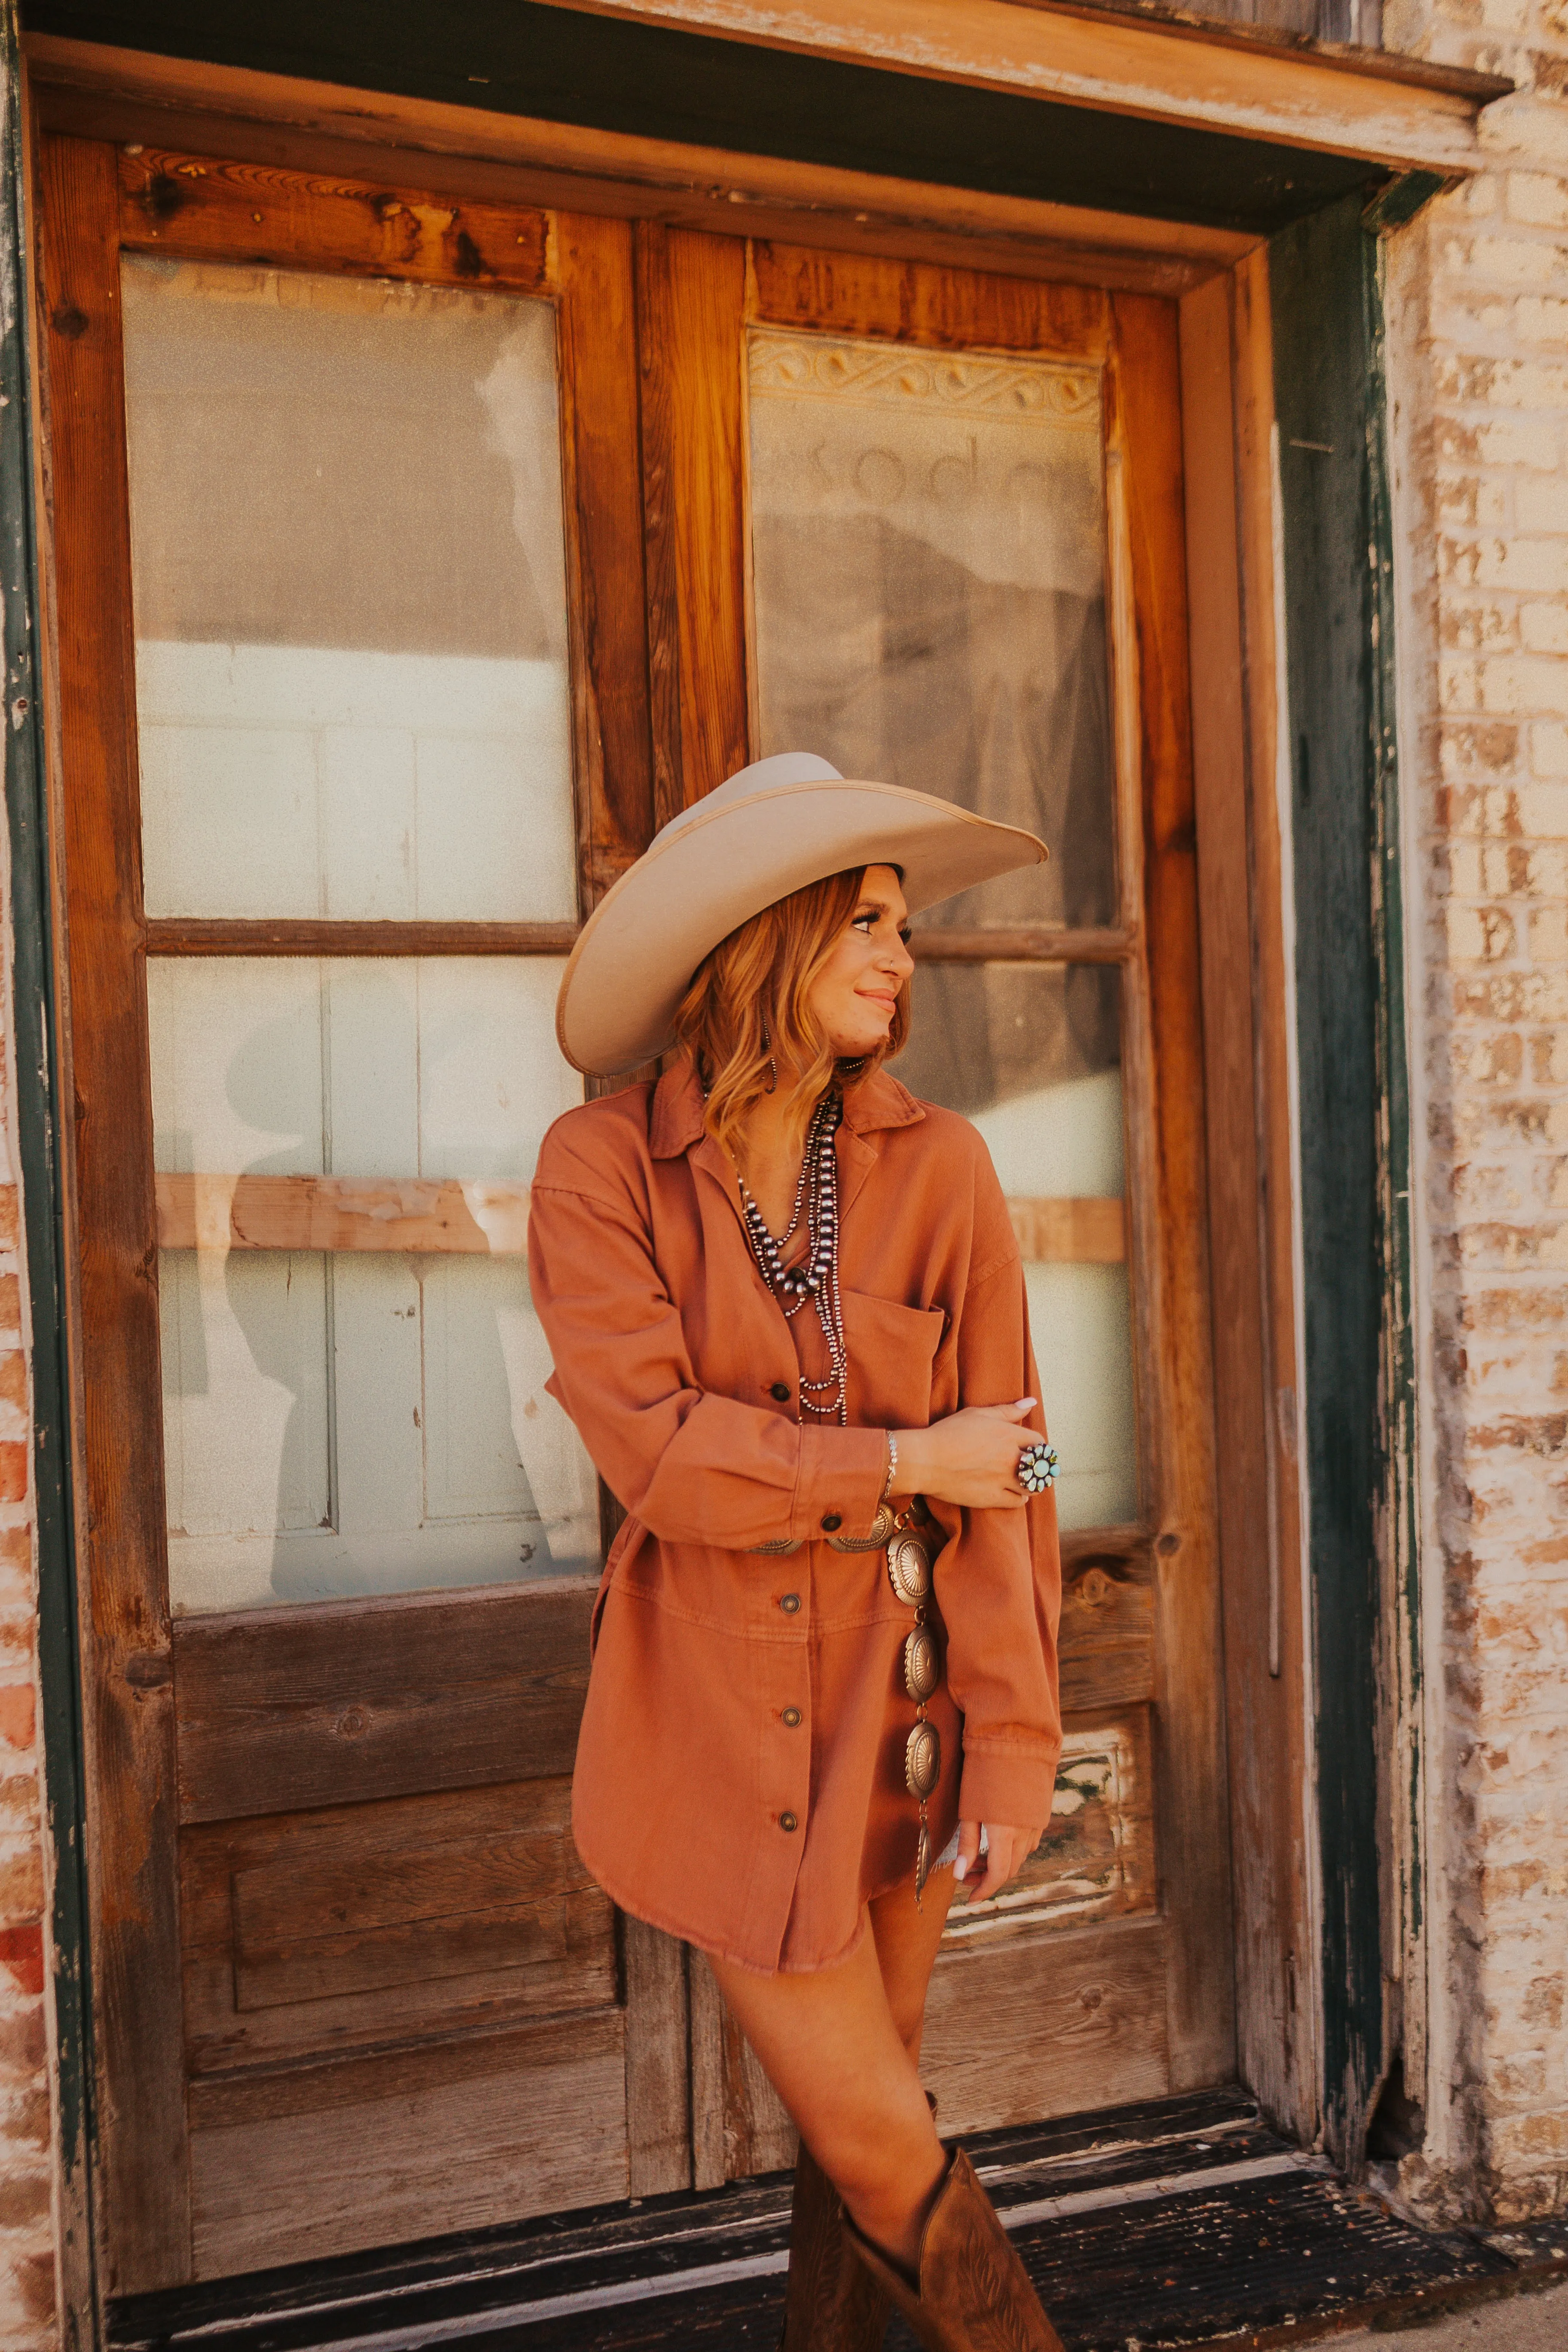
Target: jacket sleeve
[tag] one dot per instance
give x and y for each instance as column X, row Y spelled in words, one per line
column 692, row 1465
column 998, row 1585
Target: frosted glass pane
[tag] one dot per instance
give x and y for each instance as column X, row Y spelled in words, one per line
column 349, row 591
column 1032, row 1055
column 376, row 1420
column 929, row 571
column 1080, row 1321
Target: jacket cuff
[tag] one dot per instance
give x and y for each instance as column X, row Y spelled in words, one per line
column 840, row 1479
column 1001, row 1785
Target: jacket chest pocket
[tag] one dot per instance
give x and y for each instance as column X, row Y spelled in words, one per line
column 892, row 1349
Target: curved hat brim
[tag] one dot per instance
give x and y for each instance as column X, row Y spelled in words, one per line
column 704, row 877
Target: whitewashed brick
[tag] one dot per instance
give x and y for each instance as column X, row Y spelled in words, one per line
column 1537, row 197
column 1549, row 757
column 1521, row 683
column 1541, row 318
column 1543, row 627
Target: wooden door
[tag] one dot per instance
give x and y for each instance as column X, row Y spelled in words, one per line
column 929, row 523
column 352, row 685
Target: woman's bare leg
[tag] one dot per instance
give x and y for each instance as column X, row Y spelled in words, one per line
column 839, row 2046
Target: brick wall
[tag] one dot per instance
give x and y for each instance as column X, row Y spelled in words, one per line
column 27, row 2263
column 1478, row 330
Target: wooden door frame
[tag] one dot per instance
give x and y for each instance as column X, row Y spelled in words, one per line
column 1245, row 574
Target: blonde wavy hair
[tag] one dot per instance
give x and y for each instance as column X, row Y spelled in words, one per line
column 748, row 1009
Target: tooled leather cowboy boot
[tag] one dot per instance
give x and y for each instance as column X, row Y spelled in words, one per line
column 975, row 2294
column 833, row 2304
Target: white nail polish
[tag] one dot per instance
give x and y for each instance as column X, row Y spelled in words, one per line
column 961, row 1868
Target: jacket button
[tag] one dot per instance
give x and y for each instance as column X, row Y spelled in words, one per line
column 788, row 1822
column 791, row 1717
column 790, row 1603
column 831, row 1524
column 781, row 1390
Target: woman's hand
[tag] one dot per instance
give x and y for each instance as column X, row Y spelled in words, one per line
column 971, row 1458
column 1006, row 1852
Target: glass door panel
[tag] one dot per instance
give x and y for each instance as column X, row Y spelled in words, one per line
column 1032, row 1055
column 354, row 704
column 350, row 595
column 928, row 543
column 362, row 1418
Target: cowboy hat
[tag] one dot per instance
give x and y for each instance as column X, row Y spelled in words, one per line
column 768, row 831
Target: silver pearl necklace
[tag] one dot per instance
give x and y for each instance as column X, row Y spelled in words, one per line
column 817, row 1276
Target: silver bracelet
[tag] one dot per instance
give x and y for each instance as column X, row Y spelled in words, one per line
column 892, row 1468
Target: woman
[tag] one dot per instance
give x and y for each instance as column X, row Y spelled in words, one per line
column 786, row 1313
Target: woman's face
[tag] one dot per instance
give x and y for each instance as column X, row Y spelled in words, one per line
column 855, row 993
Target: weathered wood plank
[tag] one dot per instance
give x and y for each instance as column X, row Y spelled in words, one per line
column 208, row 207
column 340, row 1213
column 1082, row 1231
column 1105, row 1639
column 608, row 609
column 1171, row 1209
column 917, row 302
column 1034, row 944
column 690, row 293
column 129, row 1720
column 348, row 1921
column 291, row 935
column 658, row 2090
column 283, row 1708
column 1046, row 2025
column 1278, row 2019
column 368, row 1212
column 1261, row 1703
column 407, row 2144
column 383, row 1840
column 1096, row 1860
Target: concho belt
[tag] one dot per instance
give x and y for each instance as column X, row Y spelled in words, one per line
column 912, row 1543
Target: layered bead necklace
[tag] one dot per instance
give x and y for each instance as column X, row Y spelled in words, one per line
column 817, row 1276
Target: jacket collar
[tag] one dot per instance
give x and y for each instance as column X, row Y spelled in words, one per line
column 675, row 1120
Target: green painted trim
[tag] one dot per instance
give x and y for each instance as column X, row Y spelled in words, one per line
column 43, row 1229
column 1331, row 402
column 1401, row 1495
column 1401, row 200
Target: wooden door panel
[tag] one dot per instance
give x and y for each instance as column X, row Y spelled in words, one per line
column 447, row 2136
column 1048, row 2025
column 1105, row 1974
column 283, row 1709
column 473, row 1903
column 384, row 1937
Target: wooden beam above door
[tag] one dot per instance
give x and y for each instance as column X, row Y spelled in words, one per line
column 482, row 155
column 1398, row 111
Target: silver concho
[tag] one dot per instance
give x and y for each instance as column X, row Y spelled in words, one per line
column 922, row 1759
column 909, row 1569
column 923, row 1663
column 882, row 1528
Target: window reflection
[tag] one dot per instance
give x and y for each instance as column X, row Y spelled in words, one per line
column 1031, row 1054
column 363, row 1420
column 928, row 563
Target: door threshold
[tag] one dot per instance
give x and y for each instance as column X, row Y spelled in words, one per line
column 1176, row 2221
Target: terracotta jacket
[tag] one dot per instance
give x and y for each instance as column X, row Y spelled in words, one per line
column 739, row 1768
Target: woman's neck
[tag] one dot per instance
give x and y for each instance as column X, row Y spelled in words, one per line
column 770, row 1154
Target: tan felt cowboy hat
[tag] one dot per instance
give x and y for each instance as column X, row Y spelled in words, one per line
column 772, row 829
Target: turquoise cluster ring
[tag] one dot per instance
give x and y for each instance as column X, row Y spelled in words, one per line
column 1037, row 1468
